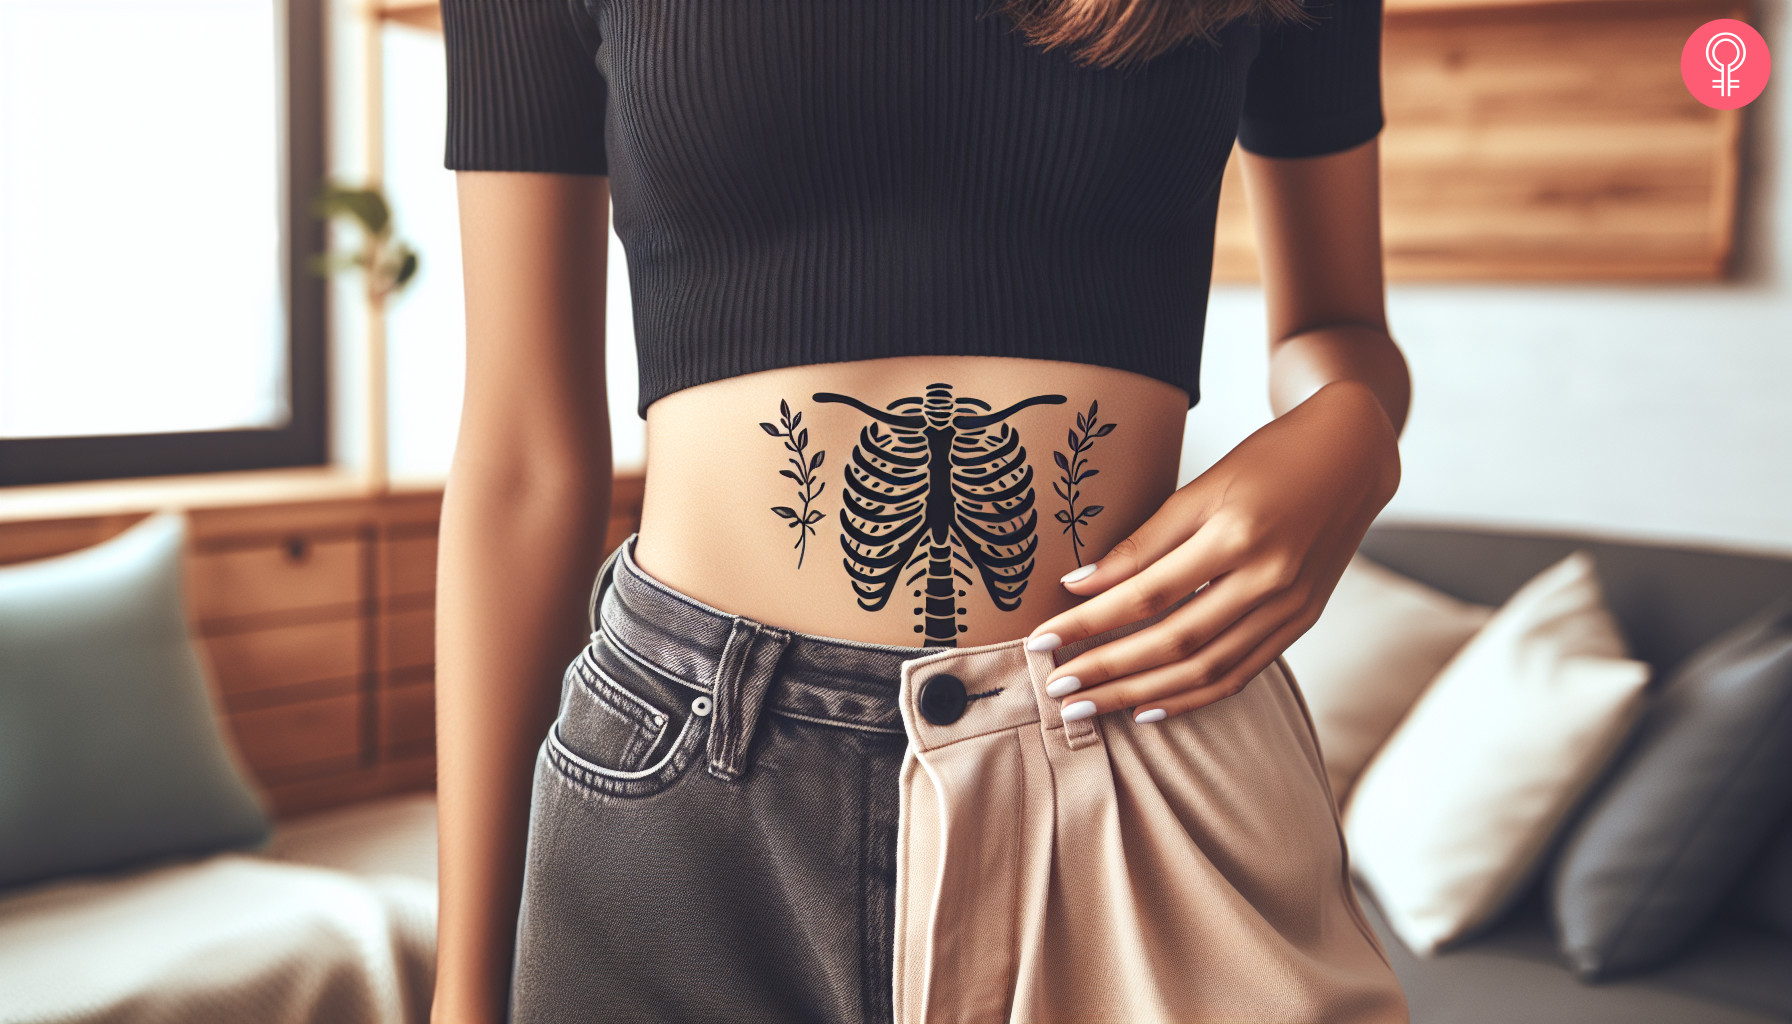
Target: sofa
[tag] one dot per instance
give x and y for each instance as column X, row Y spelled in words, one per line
column 1668, row 601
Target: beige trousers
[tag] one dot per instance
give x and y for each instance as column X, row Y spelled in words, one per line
column 1189, row 870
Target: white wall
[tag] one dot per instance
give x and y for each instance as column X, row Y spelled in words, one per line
column 1646, row 411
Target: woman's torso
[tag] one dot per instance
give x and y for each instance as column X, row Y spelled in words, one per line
column 904, row 205
column 940, row 516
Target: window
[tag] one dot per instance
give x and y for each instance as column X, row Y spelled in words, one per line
column 157, row 159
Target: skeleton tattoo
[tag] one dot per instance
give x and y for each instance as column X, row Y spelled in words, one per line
column 1074, row 469
column 796, row 438
column 940, row 479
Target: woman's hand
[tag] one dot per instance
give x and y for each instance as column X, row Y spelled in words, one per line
column 1264, row 535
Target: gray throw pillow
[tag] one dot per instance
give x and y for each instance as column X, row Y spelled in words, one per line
column 110, row 753
column 1765, row 896
column 1693, row 802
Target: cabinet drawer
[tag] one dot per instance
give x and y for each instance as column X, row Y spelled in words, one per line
column 408, row 719
column 286, row 655
column 408, row 639
column 409, row 568
column 282, row 742
column 298, row 573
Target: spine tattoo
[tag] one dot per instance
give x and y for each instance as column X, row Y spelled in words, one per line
column 940, row 479
column 1069, row 484
column 796, row 438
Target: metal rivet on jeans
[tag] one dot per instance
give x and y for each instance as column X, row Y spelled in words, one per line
column 942, row 699
column 701, row 706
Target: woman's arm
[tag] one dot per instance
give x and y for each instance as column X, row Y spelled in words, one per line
column 1273, row 523
column 523, row 523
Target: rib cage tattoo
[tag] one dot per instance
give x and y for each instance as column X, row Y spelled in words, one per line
column 940, row 479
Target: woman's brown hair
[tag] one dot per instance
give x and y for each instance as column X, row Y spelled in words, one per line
column 1115, row 32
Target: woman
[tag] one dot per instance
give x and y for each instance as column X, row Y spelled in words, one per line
column 862, row 728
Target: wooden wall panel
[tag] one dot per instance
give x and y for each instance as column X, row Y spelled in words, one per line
column 1541, row 141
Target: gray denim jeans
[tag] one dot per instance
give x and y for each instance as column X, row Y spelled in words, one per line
column 713, row 830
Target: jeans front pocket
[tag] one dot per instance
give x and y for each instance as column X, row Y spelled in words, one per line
column 623, row 730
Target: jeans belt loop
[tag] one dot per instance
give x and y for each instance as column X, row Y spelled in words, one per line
column 743, row 677
column 601, row 583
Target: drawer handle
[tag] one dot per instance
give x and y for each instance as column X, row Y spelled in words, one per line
column 297, row 549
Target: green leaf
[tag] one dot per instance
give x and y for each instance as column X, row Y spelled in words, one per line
column 407, row 267
column 367, row 206
column 324, row 264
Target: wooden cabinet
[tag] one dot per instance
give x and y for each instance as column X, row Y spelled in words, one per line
column 317, row 621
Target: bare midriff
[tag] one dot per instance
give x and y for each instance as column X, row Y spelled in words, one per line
column 927, row 500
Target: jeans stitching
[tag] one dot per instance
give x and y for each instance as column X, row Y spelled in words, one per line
column 597, row 780
column 638, row 711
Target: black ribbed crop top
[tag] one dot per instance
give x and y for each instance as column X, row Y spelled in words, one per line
column 808, row 181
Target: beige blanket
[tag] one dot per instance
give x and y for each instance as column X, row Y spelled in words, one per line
column 232, row 938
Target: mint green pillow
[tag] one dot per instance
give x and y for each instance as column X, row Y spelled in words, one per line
column 110, row 753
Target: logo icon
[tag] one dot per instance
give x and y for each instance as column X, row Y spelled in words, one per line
column 1725, row 64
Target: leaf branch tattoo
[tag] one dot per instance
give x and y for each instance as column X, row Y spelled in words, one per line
column 796, row 438
column 1073, row 473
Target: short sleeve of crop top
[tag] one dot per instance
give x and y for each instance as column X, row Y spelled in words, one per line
column 524, row 90
column 1315, row 87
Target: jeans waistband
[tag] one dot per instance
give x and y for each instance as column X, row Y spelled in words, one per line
column 821, row 679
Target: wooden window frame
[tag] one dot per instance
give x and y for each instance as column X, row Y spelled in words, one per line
column 303, row 440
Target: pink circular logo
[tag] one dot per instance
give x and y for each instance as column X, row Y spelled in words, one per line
column 1725, row 64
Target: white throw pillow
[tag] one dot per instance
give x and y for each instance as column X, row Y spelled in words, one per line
column 1448, row 821
column 1381, row 641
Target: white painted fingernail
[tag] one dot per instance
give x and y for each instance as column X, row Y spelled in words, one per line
column 1154, row 715
column 1078, row 575
column 1063, row 687
column 1078, row 709
column 1045, row 642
